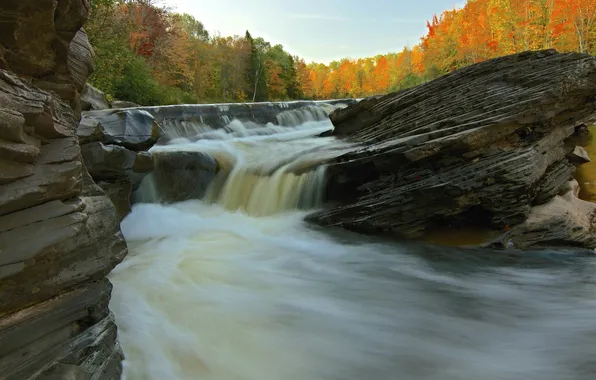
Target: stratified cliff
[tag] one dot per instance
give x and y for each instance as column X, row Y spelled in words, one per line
column 483, row 146
column 59, row 233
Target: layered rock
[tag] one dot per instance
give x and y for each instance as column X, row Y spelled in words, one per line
column 114, row 151
column 564, row 221
column 59, row 232
column 482, row 146
column 93, row 99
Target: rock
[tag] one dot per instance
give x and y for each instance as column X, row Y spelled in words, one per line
column 579, row 155
column 143, row 163
column 117, row 104
column 119, row 193
column 90, row 130
column 180, row 176
column 59, row 232
column 118, row 171
column 80, row 59
column 79, row 323
column 93, row 99
column 565, row 221
column 189, row 120
column 132, row 128
column 28, row 36
column 18, row 152
column 480, row 146
column 108, row 162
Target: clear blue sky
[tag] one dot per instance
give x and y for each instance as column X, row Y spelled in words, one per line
column 321, row 30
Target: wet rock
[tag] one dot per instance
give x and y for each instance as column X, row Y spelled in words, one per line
column 188, row 120
column 107, row 162
column 131, row 128
column 579, row 156
column 480, row 146
column 93, row 99
column 181, row 176
column 119, row 192
column 90, row 130
column 143, row 163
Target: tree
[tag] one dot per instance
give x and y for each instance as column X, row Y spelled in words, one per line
column 150, row 55
column 257, row 67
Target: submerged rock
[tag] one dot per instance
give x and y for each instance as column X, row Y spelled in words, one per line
column 481, row 146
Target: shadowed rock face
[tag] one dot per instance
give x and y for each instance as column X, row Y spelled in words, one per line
column 180, row 176
column 481, row 146
column 59, row 233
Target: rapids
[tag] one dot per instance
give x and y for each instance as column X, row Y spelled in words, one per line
column 238, row 287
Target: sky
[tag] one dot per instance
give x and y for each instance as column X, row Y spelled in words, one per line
column 321, row 30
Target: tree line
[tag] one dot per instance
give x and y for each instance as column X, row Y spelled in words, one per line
column 149, row 54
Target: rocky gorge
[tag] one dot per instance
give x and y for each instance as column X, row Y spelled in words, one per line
column 490, row 145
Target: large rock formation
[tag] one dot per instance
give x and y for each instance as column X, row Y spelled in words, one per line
column 482, row 146
column 59, row 233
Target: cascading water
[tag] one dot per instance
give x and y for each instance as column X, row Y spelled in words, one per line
column 237, row 287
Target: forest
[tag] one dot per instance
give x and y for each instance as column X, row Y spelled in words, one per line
column 151, row 55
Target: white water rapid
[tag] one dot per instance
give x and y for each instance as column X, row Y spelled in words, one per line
column 237, row 287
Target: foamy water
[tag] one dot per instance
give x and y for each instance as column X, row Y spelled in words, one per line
column 216, row 291
column 210, row 294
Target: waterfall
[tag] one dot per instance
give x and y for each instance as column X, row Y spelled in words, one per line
column 262, row 169
column 232, row 284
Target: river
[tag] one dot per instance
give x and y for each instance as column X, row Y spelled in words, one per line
column 238, row 287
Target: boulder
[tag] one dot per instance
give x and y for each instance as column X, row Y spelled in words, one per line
column 93, row 99
column 480, row 146
column 181, row 176
column 108, row 162
column 90, row 130
column 133, row 129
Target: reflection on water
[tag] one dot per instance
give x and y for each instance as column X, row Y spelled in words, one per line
column 586, row 173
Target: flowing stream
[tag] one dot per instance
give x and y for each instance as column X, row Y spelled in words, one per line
column 238, row 287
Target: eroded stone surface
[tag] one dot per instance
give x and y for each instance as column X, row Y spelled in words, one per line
column 93, row 99
column 181, row 176
column 133, row 129
column 564, row 221
column 481, row 146
column 59, row 232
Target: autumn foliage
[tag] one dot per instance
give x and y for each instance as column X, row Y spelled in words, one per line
column 148, row 54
